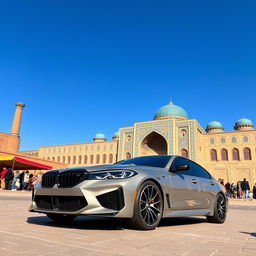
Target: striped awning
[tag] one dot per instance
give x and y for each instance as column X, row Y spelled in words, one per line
column 18, row 163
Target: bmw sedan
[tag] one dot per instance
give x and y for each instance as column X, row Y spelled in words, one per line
column 142, row 190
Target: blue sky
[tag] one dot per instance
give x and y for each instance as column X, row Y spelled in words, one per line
column 83, row 67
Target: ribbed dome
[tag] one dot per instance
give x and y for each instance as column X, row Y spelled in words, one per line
column 99, row 136
column 116, row 134
column 214, row 124
column 170, row 111
column 243, row 124
column 243, row 121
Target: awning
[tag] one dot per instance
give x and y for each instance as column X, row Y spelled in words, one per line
column 18, row 163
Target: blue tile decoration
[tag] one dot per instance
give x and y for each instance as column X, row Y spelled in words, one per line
column 163, row 127
column 189, row 125
column 122, row 133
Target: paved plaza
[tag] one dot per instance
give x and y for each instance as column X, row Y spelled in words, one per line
column 25, row 233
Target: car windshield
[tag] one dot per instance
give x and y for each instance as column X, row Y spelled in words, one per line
column 154, row 161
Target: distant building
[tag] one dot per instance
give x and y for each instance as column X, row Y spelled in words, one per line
column 229, row 155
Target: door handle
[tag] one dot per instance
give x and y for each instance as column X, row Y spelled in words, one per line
column 194, row 181
column 212, row 183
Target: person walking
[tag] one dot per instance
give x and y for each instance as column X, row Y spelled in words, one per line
column 254, row 191
column 227, row 187
column 246, row 189
column 25, row 180
column 8, row 177
column 3, row 172
column 21, row 178
column 15, row 179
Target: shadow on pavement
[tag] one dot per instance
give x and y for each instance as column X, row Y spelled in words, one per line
column 249, row 233
column 181, row 221
column 100, row 223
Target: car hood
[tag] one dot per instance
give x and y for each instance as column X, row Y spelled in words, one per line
column 109, row 167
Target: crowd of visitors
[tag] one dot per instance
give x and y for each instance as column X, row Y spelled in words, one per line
column 239, row 190
column 16, row 180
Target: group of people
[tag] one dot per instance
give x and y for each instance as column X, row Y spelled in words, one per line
column 239, row 190
column 10, row 180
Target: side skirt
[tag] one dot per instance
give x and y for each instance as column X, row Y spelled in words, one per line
column 198, row 212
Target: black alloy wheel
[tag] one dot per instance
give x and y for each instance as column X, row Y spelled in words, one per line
column 148, row 207
column 220, row 210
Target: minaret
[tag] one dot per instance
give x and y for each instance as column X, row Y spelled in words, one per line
column 17, row 119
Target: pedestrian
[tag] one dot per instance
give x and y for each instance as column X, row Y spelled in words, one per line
column 21, row 178
column 246, row 189
column 3, row 172
column 15, row 182
column 8, row 178
column 29, row 185
column 25, row 180
column 254, row 191
column 233, row 190
column 228, row 191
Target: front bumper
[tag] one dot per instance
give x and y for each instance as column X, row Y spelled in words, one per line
column 91, row 197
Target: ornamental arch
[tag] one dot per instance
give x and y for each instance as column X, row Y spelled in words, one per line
column 153, row 144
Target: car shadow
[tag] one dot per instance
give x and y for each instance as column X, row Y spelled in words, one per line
column 101, row 223
column 249, row 233
column 181, row 221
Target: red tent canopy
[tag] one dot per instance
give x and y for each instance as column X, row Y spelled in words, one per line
column 18, row 163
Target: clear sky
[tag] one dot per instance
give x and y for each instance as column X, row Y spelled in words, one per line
column 83, row 67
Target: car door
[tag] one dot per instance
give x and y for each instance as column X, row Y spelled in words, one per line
column 206, row 184
column 184, row 187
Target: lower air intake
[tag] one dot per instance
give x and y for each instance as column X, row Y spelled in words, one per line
column 112, row 200
column 61, row 203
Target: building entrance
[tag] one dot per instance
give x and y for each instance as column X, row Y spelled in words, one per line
column 153, row 144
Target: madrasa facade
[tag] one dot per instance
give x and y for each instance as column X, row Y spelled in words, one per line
column 230, row 155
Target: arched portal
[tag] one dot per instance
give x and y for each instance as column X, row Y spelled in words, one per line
column 153, row 144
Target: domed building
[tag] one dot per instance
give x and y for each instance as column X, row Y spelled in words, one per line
column 116, row 136
column 170, row 111
column 230, row 155
column 99, row 137
column 243, row 124
column 214, row 127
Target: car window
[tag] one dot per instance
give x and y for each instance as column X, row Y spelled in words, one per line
column 182, row 161
column 199, row 171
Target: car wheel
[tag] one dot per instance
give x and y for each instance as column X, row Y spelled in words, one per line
column 220, row 210
column 148, row 207
column 61, row 218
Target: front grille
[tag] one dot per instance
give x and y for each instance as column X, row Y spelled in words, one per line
column 112, row 200
column 49, row 179
column 69, row 179
column 64, row 179
column 61, row 203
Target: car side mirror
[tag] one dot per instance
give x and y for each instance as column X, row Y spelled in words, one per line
column 180, row 167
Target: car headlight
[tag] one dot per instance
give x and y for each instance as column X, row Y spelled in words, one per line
column 105, row 175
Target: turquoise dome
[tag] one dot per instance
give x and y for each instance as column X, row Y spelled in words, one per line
column 214, row 124
column 243, row 121
column 170, row 110
column 116, row 134
column 99, row 136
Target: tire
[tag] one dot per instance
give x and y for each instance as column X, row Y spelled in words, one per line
column 148, row 207
column 61, row 218
column 220, row 210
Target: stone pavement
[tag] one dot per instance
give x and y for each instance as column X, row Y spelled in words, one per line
column 25, row 233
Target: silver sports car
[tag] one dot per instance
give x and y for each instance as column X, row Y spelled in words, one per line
column 143, row 190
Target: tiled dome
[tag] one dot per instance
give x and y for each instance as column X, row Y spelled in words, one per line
column 170, row 111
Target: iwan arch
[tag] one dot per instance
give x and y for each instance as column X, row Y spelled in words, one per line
column 229, row 155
